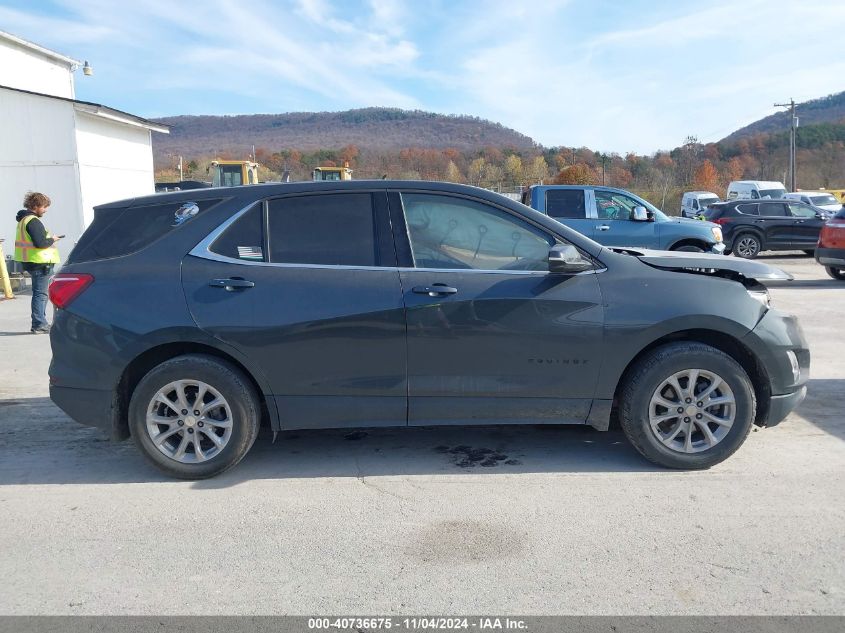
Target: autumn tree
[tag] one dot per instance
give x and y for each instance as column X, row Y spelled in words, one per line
column 578, row 174
column 453, row 174
column 513, row 170
column 706, row 177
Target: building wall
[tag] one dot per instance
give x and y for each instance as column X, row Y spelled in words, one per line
column 115, row 161
column 27, row 69
column 38, row 153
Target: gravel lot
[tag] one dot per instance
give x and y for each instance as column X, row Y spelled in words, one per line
column 420, row 521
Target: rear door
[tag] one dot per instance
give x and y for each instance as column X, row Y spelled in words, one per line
column 570, row 207
column 776, row 223
column 307, row 287
column 493, row 337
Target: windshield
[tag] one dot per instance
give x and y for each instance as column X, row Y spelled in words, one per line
column 706, row 202
column 772, row 193
column 825, row 199
column 227, row 176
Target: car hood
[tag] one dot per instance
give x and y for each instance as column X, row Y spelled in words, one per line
column 700, row 262
column 677, row 220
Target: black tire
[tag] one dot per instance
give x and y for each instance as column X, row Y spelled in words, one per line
column 747, row 245
column 811, row 252
column 836, row 273
column 644, row 378
column 689, row 248
column 223, row 377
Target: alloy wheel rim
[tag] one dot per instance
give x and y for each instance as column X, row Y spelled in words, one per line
column 747, row 246
column 692, row 411
column 189, row 421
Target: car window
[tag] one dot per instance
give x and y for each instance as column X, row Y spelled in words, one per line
column 328, row 229
column 244, row 239
column 772, row 209
column 565, row 203
column 801, row 211
column 747, row 209
column 456, row 233
column 611, row 205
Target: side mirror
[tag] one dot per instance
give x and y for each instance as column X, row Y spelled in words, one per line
column 565, row 258
column 640, row 214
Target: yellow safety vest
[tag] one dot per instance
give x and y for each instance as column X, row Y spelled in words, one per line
column 26, row 251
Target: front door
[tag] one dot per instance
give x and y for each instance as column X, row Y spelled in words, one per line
column 493, row 337
column 307, row 288
column 615, row 226
column 806, row 225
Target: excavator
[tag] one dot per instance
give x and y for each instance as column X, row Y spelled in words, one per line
column 232, row 173
column 332, row 173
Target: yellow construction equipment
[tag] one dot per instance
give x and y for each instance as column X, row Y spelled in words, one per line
column 232, row 173
column 4, row 273
column 332, row 173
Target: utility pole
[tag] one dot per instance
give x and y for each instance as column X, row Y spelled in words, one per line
column 180, row 170
column 603, row 158
column 794, row 122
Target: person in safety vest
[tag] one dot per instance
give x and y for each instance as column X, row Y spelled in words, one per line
column 36, row 248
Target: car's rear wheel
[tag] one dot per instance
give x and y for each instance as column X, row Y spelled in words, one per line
column 194, row 416
column 747, row 246
column 836, row 273
column 687, row 405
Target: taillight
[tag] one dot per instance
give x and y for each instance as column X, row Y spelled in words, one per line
column 65, row 287
column 824, row 235
column 722, row 221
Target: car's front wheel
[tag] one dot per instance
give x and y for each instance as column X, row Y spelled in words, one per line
column 194, row 416
column 836, row 273
column 687, row 405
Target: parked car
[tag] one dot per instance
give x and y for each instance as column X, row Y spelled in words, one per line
column 821, row 200
column 694, row 203
column 751, row 227
column 187, row 319
column 830, row 252
column 755, row 190
column 615, row 217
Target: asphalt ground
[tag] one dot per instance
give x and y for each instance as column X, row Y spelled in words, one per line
column 525, row 520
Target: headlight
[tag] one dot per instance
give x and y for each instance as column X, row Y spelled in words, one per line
column 793, row 361
column 762, row 296
column 717, row 233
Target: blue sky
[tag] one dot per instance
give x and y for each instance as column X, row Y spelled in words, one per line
column 637, row 75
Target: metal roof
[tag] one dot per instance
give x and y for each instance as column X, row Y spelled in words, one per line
column 46, row 52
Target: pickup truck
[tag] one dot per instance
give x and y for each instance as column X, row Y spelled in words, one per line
column 615, row 217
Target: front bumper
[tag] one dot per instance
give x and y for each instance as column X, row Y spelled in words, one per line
column 781, row 406
column 776, row 341
column 831, row 257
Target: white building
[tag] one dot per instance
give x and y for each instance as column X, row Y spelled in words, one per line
column 80, row 154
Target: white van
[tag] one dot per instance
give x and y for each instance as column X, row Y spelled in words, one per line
column 755, row 189
column 693, row 203
column 819, row 199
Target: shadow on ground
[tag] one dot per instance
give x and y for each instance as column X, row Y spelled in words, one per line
column 39, row 444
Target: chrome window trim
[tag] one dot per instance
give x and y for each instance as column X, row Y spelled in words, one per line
column 203, row 251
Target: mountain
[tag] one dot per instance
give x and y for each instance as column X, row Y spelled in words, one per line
column 830, row 109
column 370, row 128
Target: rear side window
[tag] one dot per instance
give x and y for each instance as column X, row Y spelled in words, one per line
column 565, row 203
column 772, row 209
column 747, row 209
column 118, row 232
column 244, row 239
column 328, row 229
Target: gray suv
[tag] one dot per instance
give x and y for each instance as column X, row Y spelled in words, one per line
column 188, row 320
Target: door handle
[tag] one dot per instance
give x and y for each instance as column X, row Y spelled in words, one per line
column 602, row 227
column 799, row 221
column 759, row 221
column 230, row 285
column 434, row 290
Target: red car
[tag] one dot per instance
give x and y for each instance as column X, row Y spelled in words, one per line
column 830, row 252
